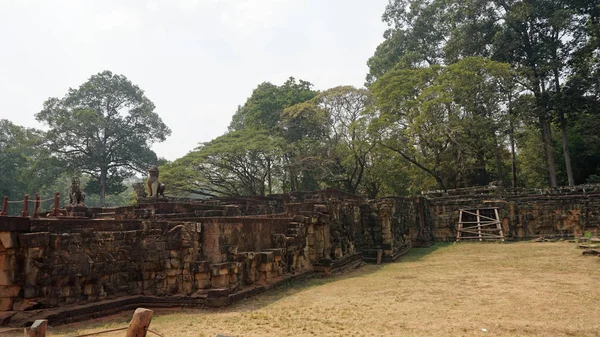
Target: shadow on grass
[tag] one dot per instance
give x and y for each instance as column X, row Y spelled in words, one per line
column 295, row 287
column 416, row 254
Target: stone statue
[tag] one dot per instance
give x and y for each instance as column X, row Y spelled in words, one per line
column 76, row 196
column 154, row 185
column 140, row 190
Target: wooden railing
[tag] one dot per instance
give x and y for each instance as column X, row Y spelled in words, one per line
column 138, row 327
column 36, row 205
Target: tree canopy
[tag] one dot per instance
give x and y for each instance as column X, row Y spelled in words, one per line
column 459, row 94
column 104, row 128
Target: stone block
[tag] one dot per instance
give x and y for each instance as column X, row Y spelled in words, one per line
column 201, row 267
column 218, row 292
column 266, row 257
column 203, row 283
column 6, row 304
column 266, row 266
column 175, row 263
column 217, row 302
column 173, row 272
column 9, row 291
column 9, row 239
column 34, row 240
column 32, row 292
column 233, row 278
column 300, row 218
column 220, row 281
column 187, row 287
column 11, row 224
column 201, row 276
column 6, row 278
column 220, row 269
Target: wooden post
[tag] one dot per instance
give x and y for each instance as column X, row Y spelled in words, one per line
column 499, row 225
column 25, row 206
column 37, row 206
column 38, row 329
column 379, row 255
column 138, row 327
column 4, row 207
column 460, row 224
column 478, row 225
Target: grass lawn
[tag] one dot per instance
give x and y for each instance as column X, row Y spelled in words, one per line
column 515, row 289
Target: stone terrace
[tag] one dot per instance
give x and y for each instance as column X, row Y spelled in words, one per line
column 168, row 251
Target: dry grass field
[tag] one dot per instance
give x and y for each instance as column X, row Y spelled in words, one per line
column 515, row 289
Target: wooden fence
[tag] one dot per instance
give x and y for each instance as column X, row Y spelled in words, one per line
column 138, row 327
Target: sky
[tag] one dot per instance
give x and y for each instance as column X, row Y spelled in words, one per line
column 197, row 60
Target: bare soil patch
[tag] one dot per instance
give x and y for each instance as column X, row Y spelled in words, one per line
column 516, row 289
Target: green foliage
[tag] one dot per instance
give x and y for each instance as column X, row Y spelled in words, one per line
column 104, row 129
column 552, row 44
column 446, row 121
column 27, row 168
column 263, row 108
column 237, row 163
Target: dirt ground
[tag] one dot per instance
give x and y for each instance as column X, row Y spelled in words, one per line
column 467, row 289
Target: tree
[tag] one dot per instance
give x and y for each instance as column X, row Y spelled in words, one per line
column 26, row 166
column 17, row 147
column 331, row 131
column 104, row 128
column 447, row 121
column 536, row 37
column 264, row 107
column 237, row 163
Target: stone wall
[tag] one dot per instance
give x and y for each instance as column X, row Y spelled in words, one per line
column 207, row 252
column 79, row 261
column 523, row 217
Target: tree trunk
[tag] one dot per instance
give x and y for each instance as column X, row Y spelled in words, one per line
column 565, row 144
column 103, row 173
column 563, row 128
column 498, row 153
column 547, row 139
column 513, row 154
column 269, row 177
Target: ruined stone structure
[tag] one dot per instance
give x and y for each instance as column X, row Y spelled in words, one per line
column 184, row 252
column 163, row 252
column 524, row 215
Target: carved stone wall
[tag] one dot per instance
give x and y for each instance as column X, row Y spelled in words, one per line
column 208, row 252
column 523, row 217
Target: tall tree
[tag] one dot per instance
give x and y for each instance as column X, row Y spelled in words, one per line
column 447, row 121
column 241, row 162
column 263, row 108
column 104, row 128
column 536, row 37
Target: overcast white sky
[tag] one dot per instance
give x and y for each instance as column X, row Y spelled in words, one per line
column 197, row 60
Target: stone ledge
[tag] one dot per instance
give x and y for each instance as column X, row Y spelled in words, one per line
column 74, row 313
column 14, row 224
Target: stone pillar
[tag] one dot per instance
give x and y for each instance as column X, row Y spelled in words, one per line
column 9, row 291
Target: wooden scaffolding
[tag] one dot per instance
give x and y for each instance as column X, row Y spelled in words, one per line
column 482, row 224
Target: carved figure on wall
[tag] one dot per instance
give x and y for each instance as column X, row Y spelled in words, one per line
column 76, row 196
column 140, row 190
column 155, row 187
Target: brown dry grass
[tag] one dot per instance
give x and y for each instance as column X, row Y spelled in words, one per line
column 517, row 289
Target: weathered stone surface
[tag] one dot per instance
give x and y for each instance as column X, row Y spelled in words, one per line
column 8, row 240
column 187, row 248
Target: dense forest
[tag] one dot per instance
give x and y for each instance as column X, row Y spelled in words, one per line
column 459, row 94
